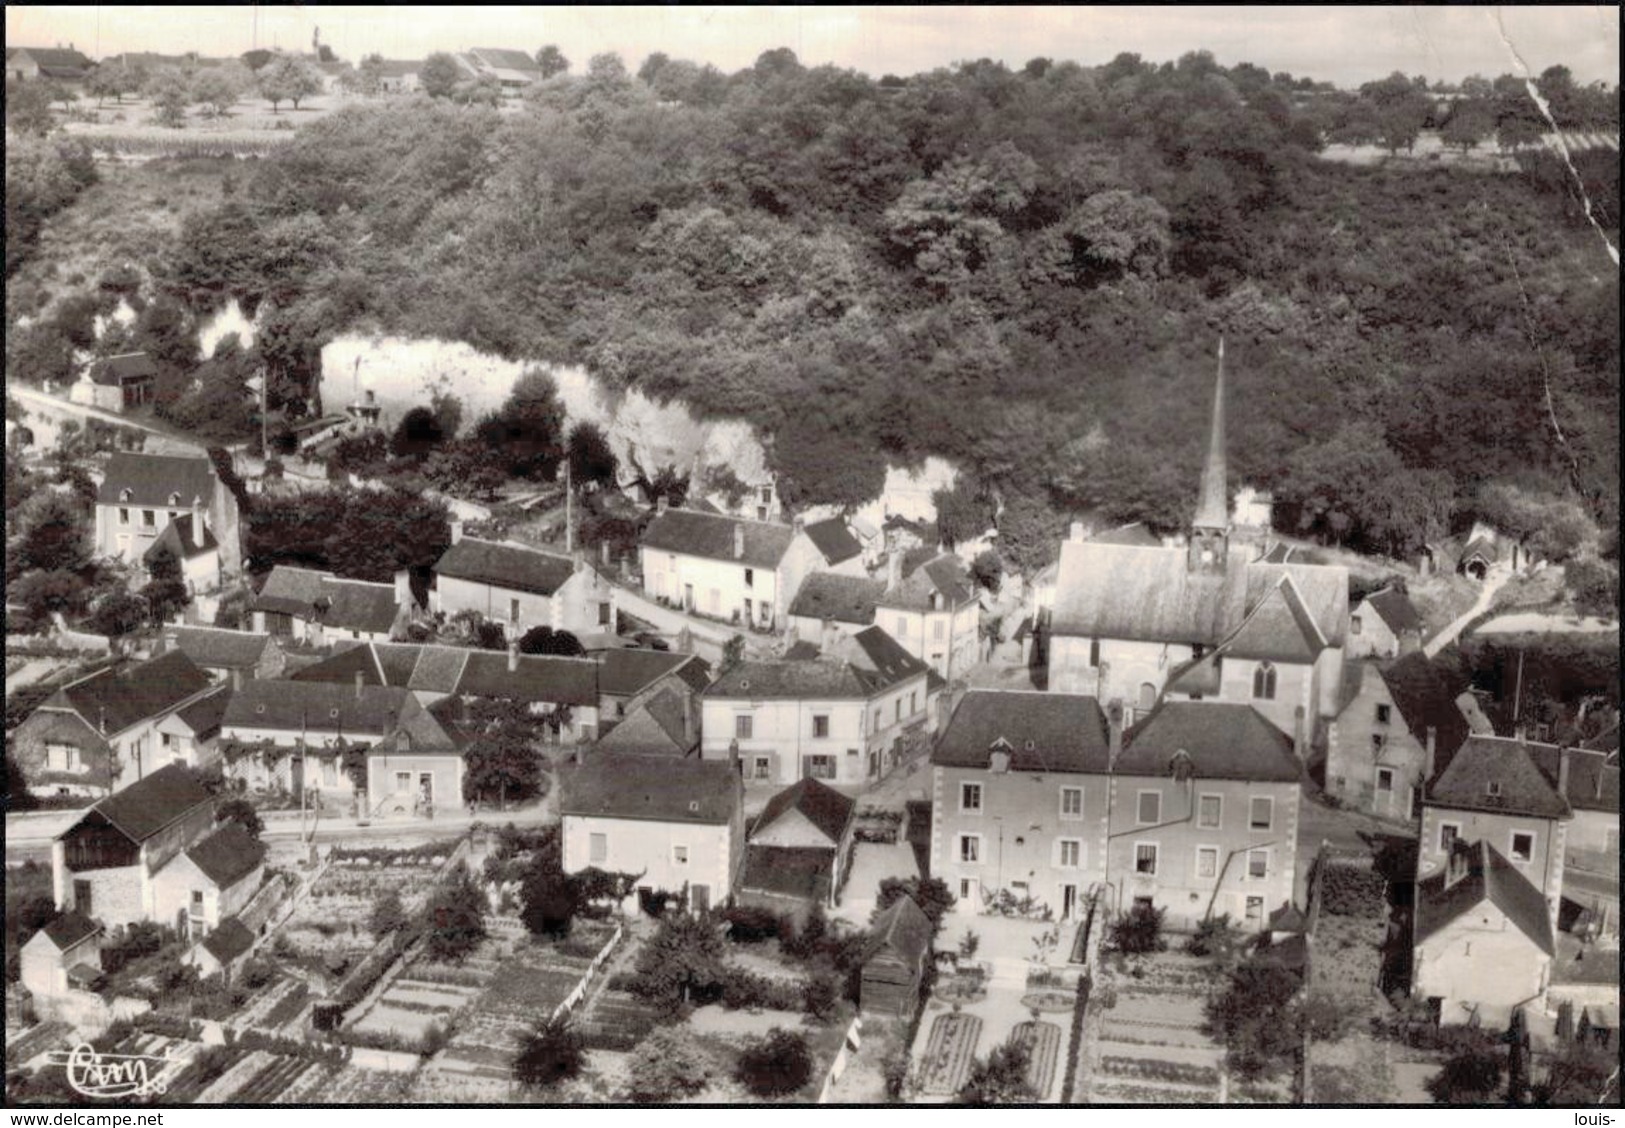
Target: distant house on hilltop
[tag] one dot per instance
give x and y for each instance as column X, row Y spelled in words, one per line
column 143, row 494
column 513, row 70
column 116, row 383
column 1384, row 624
column 59, row 64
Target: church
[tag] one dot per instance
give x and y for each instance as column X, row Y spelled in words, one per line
column 1213, row 619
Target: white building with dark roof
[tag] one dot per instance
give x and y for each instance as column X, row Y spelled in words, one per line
column 725, row 568
column 522, row 587
column 319, row 608
column 143, row 494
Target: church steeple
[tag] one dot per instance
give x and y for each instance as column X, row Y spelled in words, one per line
column 1210, row 529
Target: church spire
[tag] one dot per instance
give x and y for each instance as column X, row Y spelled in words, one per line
column 1213, row 504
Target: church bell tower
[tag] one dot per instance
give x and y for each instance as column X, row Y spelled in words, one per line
column 1210, row 529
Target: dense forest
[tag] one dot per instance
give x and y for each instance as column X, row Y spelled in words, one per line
column 1026, row 271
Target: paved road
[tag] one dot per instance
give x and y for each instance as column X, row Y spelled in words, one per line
column 1492, row 584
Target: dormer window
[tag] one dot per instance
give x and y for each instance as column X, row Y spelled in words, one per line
column 174, row 499
column 126, row 494
column 1493, row 789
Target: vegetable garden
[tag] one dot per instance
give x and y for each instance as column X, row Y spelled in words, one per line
column 949, row 1053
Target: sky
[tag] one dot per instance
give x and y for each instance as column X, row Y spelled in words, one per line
column 1345, row 45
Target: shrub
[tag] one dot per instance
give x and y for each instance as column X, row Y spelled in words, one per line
column 820, row 996
column 667, row 1065
column 1214, row 936
column 781, row 1063
column 1328, row 1019
column 1469, row 1078
column 752, row 925
column 550, row 1054
column 1138, row 931
column 388, row 914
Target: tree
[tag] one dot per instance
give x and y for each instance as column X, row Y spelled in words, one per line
column 170, row 93
column 41, row 593
column 113, row 79
column 552, row 62
column 439, row 75
column 668, row 1065
column 1471, row 1077
column 550, row 1054
column 501, row 757
column 368, row 78
column 288, row 80
column 527, row 432
column 28, row 111
column 417, row 435
column 778, row 1064
column 549, row 899
column 930, row 893
column 61, row 92
column 241, row 812
column 456, row 914
column 1001, row 1079
column 119, row 613
column 545, row 640
column 656, row 62
column 55, row 535
column 1579, row 1074
column 733, row 653
column 1470, row 122
column 1256, row 1018
column 682, row 963
column 216, row 90
column 592, row 462
column 964, row 513
column 481, row 90
column 18, row 797
column 987, row 569
column 388, row 915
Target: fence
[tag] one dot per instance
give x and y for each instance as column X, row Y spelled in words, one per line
column 576, row 996
column 849, row 1045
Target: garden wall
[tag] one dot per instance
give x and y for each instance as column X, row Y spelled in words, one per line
column 849, row 1044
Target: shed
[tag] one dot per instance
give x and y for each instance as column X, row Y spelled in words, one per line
column 899, row 947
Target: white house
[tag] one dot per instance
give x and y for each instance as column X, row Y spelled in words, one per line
column 725, row 568
column 319, row 608
column 932, row 612
column 522, row 587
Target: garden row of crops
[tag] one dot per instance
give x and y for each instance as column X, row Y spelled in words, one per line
column 169, row 143
column 1043, row 1043
column 1156, row 1069
column 949, row 1052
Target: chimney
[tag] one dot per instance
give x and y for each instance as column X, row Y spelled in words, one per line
column 456, row 531
column 403, row 588
column 739, row 541
column 513, row 657
column 661, row 503
column 1114, row 731
column 1429, row 755
column 372, row 397
column 826, row 643
column 1076, row 534
column 798, row 523
column 603, row 553
column 360, row 683
column 894, row 569
column 1299, row 744
column 197, row 521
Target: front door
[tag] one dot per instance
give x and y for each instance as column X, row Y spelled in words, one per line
column 81, row 897
column 699, row 897
column 688, row 597
column 426, row 789
column 1069, row 901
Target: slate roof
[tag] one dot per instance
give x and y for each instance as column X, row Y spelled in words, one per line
column 790, row 871
column 820, row 804
column 834, row 540
column 204, row 715
column 218, row 648
column 712, row 538
column 844, row 599
column 942, row 574
column 228, row 855
column 150, row 804
column 505, row 566
column 504, row 58
column 803, row 651
column 1278, row 554
column 133, row 694
column 1043, row 732
column 114, row 370
column 71, row 928
column 655, row 728
column 55, row 62
column 1396, row 610
column 1593, row 780
column 1224, row 741
column 653, row 788
column 1279, row 628
column 178, row 540
column 460, row 670
column 622, row 673
column 1423, row 694
column 1489, row 877
column 902, row 929
column 1508, row 765
column 879, row 660
column 153, row 478
column 228, row 941
column 316, row 707
column 538, row 677
column 290, row 591
column 789, row 680
column 1482, row 547
column 356, row 605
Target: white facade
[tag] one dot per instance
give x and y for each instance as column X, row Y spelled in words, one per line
column 669, row 855
column 945, row 640
column 583, row 604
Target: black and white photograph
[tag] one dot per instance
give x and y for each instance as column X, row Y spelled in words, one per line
column 869, row 556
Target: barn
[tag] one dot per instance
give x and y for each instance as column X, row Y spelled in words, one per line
column 899, row 949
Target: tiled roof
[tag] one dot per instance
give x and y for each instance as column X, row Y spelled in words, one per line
column 901, row 928
column 1278, row 554
column 1489, row 877
column 399, row 68
column 134, row 694
column 653, row 788
column 1279, row 628
column 218, row 648
column 1042, row 732
column 655, row 728
column 228, row 855
column 1482, row 547
column 437, row 669
column 229, row 941
column 148, row 805
column 879, row 660
column 942, row 575
column 844, row 599
column 177, row 539
column 114, row 370
column 1426, row 698
column 538, row 677
column 204, row 715
column 834, row 540
column 820, row 804
column 789, row 871
column 622, row 673
column 789, row 680
column 356, row 605
column 1593, row 780
column 1223, row 741
column 803, row 651
column 506, row 59
column 69, row 929
column 1196, row 675
column 505, row 566
column 1492, row 773
column 54, row 58
column 712, row 538
column 1396, row 610
column 153, row 478
column 319, row 708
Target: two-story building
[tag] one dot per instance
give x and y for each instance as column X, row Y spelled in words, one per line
column 725, row 567
column 209, row 881
column 101, row 733
column 142, row 494
column 1019, row 793
column 318, row 608
column 840, row 552
column 1385, row 624
column 827, row 603
column 678, row 823
column 799, row 850
column 191, row 734
column 522, row 587
column 626, row 677
column 194, row 549
column 1204, row 815
column 839, row 717
column 933, row 613
column 1377, row 750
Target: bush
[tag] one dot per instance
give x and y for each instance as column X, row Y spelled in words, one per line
column 667, row 1065
column 742, row 990
column 550, row 1054
column 781, row 1063
column 752, row 925
column 1138, row 931
column 1469, row 1078
column 1347, row 891
column 821, row 996
column 1214, row 936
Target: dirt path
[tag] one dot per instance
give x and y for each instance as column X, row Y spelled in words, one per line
column 1492, row 584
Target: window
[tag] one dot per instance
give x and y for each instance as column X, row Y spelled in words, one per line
column 1385, row 779
column 902, row 626
column 1071, row 853
column 1145, row 857
column 679, row 855
column 1523, row 846
column 1207, row 861
column 899, row 709
column 1448, row 833
column 970, row 797
column 603, row 614
column 1493, row 789
column 1255, row 910
column 877, row 719
column 967, row 888
column 597, row 848
column 1384, row 714
column 403, row 782
column 1148, row 697
column 716, row 601
column 1072, row 802
column 821, row 767
column 1149, row 810
column 1354, row 624
column 939, row 630
column 821, row 726
column 148, row 520
column 1210, row 811
column 970, row 848
column 1264, row 682
column 750, row 577
column 1258, row 863
column 1262, row 815
column 913, row 703
column 1379, row 741
column 126, row 494
column 62, row 758
column 513, row 610
column 123, row 516
column 743, row 726
column 197, row 902
column 764, row 766
column 1094, row 652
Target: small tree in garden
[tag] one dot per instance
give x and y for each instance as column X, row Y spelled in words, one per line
column 242, row 812
column 456, row 916
column 779, row 1064
column 1257, row 1017
column 549, row 1055
column 1001, row 1079
column 968, row 945
column 1138, row 931
column 668, row 1065
column 930, row 893
column 388, row 915
column 683, row 963
column 1472, row 1077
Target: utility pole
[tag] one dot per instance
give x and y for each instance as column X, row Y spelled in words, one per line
column 265, row 381
column 569, row 508
column 1517, row 694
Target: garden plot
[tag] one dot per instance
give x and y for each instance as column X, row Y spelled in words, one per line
column 407, row 1008
column 615, row 1020
column 1145, row 1040
column 949, row 1053
column 354, row 1085
column 1043, row 1042
column 329, row 925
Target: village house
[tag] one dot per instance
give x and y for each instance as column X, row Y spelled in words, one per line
column 1019, row 789
column 667, row 723
column 318, row 608
column 1483, row 942
column 932, row 611
column 799, row 850
column 1128, row 618
column 1593, row 796
column 513, row 70
column 116, row 383
column 209, row 881
column 104, row 864
column 418, row 768
column 101, row 733
column 521, row 587
column 725, row 568
column 678, row 823
column 839, row 550
column 1488, row 548
column 222, row 951
column 626, row 676
column 59, row 64
column 142, row 494
column 64, row 955
column 229, row 657
column 895, row 960
column 193, row 548
column 1399, row 715
column 1385, row 624
column 840, row 718
column 398, row 76
column 829, row 603
column 1204, row 815
column 191, row 734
